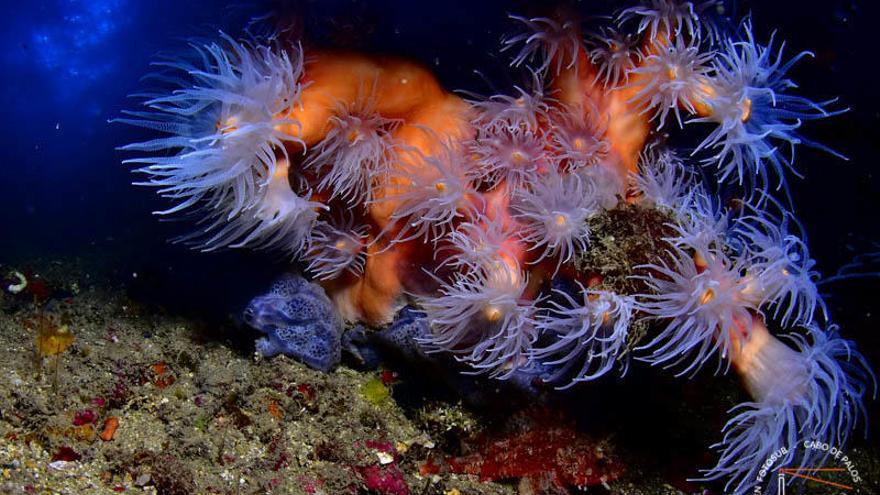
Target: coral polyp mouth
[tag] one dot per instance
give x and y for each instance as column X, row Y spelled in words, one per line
column 492, row 313
column 707, row 296
column 746, row 110
column 518, row 157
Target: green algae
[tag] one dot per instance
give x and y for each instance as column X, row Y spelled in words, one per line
column 375, row 392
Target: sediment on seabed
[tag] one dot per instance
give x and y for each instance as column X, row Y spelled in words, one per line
column 142, row 401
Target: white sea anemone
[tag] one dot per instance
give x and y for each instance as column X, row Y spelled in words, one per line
column 780, row 272
column 527, row 109
column 699, row 307
column 813, row 391
column 223, row 124
column 547, row 39
column 614, row 54
column 483, row 318
column 754, row 114
column 668, row 18
column 554, row 215
column 509, row 155
column 432, row 193
column 585, row 338
column 607, row 184
column 337, row 247
column 577, row 136
column 664, row 181
column 701, row 223
column 671, row 78
column 479, row 243
column 356, row 153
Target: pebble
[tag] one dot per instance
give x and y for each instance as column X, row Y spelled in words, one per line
column 142, row 480
column 60, row 465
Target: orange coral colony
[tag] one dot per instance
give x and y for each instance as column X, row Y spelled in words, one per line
column 429, row 117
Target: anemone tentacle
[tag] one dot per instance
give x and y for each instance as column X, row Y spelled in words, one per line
column 548, row 40
column 554, row 214
column 749, row 102
column 586, row 338
column 699, row 307
column 813, row 390
column 672, row 77
column 223, row 136
column 483, row 318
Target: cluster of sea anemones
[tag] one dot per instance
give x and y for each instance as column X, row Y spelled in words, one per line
column 393, row 190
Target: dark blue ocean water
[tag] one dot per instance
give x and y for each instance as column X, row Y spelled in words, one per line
column 67, row 66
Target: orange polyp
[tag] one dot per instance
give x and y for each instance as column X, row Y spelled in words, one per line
column 371, row 298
